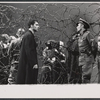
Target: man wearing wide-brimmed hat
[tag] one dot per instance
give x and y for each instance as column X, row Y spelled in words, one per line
column 85, row 44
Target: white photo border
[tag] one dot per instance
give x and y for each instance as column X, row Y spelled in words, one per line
column 50, row 91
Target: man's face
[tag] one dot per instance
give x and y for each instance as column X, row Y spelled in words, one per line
column 35, row 26
column 79, row 27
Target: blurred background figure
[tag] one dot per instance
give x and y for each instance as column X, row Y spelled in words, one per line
column 14, row 52
column 20, row 32
column 8, row 39
column 54, row 67
column 4, row 57
column 5, row 40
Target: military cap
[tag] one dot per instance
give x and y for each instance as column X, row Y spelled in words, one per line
column 84, row 22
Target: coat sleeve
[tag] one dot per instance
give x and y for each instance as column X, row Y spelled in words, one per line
column 91, row 41
column 93, row 44
column 89, row 38
column 30, row 50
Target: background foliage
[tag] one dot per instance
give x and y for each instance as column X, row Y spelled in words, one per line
column 57, row 20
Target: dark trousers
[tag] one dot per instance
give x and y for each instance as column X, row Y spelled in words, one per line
column 86, row 62
column 76, row 75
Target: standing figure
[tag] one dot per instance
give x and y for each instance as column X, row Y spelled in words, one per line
column 14, row 52
column 59, row 70
column 86, row 50
column 54, row 69
column 28, row 63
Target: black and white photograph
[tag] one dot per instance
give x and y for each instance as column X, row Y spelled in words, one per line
column 49, row 43
column 49, row 49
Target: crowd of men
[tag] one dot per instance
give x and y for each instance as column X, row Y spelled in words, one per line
column 76, row 67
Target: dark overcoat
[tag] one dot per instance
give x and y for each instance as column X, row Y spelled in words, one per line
column 28, row 58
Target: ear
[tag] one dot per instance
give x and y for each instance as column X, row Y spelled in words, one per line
column 31, row 25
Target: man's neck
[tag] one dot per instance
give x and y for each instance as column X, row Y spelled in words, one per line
column 31, row 30
column 82, row 31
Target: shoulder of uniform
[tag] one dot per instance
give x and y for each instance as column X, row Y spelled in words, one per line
column 86, row 33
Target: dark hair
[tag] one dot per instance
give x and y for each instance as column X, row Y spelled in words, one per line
column 31, row 22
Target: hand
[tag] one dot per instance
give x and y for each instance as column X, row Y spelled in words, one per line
column 35, row 66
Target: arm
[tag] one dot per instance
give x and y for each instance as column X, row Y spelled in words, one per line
column 93, row 44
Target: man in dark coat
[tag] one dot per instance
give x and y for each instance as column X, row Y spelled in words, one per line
column 28, row 64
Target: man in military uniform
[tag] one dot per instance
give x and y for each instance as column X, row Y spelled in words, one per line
column 85, row 44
